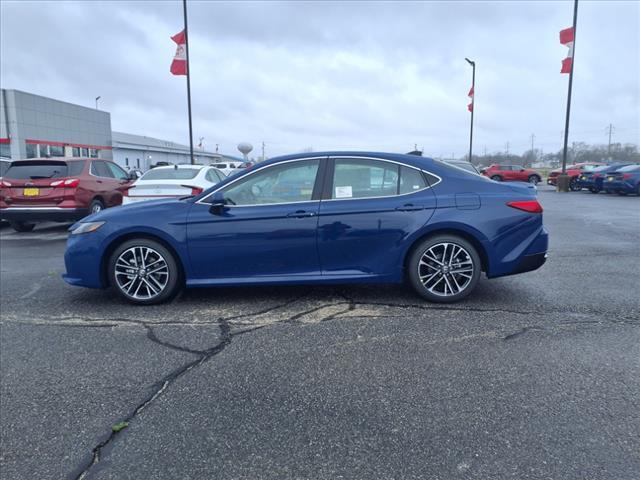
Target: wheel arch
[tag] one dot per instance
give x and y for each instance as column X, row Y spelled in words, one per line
column 116, row 242
column 449, row 230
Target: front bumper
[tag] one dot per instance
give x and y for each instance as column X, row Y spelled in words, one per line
column 52, row 214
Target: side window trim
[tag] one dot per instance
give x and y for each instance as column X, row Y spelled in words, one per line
column 327, row 194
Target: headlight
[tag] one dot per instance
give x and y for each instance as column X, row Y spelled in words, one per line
column 87, row 227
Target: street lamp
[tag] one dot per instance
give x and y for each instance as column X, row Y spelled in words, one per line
column 472, row 105
column 97, row 98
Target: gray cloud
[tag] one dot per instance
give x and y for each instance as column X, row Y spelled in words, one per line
column 331, row 75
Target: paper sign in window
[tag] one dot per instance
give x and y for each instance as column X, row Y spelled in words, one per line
column 344, row 192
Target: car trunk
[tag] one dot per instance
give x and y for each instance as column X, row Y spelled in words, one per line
column 29, row 183
column 160, row 189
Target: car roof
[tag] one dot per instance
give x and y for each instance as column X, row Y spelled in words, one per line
column 412, row 160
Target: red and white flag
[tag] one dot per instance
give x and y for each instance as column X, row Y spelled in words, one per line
column 470, row 95
column 566, row 38
column 179, row 64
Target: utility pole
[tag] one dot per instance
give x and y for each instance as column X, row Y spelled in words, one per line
column 533, row 153
column 563, row 178
column 216, row 148
column 472, row 105
column 507, row 149
column 263, row 151
column 609, row 149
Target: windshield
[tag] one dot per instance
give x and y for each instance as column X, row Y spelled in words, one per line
column 465, row 170
column 171, row 174
column 34, row 171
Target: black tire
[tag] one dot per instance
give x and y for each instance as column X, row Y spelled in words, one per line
column 594, row 190
column 167, row 292
column 638, row 190
column 96, row 206
column 607, row 191
column 22, row 227
column 496, row 178
column 573, row 185
column 535, row 179
column 622, row 193
column 416, row 268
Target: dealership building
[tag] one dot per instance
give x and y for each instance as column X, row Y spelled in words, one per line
column 33, row 126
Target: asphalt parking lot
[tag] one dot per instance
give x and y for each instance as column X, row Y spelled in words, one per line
column 534, row 376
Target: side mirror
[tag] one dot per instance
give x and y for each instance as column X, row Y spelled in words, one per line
column 218, row 204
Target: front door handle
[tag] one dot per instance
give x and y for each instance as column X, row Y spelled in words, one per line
column 409, row 207
column 300, row 214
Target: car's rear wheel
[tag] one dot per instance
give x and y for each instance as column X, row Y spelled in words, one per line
column 497, row 178
column 534, row 179
column 594, row 190
column 444, row 268
column 96, row 206
column 22, row 226
column 144, row 272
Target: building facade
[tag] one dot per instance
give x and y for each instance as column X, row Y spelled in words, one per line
column 34, row 126
column 138, row 151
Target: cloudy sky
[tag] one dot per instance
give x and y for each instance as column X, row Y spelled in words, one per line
column 336, row 75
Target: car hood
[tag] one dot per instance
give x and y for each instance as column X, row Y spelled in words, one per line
column 135, row 212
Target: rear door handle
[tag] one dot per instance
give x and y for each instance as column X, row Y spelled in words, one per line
column 300, row 214
column 410, row 207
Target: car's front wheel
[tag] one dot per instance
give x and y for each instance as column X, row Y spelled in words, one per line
column 144, row 272
column 573, row 185
column 444, row 268
column 496, row 178
column 534, row 179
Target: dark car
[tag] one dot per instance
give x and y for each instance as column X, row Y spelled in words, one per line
column 512, row 173
column 573, row 171
column 317, row 218
column 593, row 180
column 59, row 190
column 624, row 180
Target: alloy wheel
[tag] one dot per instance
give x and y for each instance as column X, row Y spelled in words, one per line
column 141, row 273
column 445, row 269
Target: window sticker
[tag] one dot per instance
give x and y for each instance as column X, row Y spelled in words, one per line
column 344, row 192
column 416, row 187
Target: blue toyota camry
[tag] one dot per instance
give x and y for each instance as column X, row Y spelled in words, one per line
column 334, row 217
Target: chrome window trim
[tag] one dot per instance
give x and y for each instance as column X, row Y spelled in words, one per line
column 358, row 157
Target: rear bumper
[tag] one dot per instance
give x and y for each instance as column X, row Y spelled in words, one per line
column 52, row 214
column 531, row 262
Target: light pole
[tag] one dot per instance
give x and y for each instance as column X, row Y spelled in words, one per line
column 97, row 98
column 472, row 104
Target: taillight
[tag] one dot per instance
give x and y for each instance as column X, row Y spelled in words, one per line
column 531, row 206
column 196, row 190
column 68, row 183
column 4, row 184
column 626, row 175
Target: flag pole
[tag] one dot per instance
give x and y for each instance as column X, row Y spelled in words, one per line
column 563, row 180
column 473, row 105
column 186, row 38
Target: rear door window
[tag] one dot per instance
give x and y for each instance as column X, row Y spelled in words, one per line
column 364, row 178
column 33, row 170
column 411, row 180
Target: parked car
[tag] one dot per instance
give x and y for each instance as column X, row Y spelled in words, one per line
column 228, row 167
column 59, row 190
column 593, row 180
column 177, row 181
column 512, row 173
column 624, row 180
column 317, row 218
column 574, row 172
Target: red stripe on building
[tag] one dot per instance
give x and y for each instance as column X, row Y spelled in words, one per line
column 66, row 144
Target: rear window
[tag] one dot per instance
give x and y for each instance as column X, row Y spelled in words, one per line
column 629, row 168
column 32, row 171
column 171, row 174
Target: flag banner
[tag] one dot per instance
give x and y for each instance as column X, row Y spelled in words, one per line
column 179, row 64
column 470, row 94
column 566, row 38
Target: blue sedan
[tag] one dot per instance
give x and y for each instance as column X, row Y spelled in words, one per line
column 624, row 180
column 321, row 218
column 594, row 180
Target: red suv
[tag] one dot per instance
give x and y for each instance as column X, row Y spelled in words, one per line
column 59, row 190
column 574, row 172
column 512, row 173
